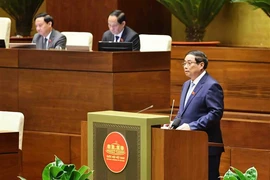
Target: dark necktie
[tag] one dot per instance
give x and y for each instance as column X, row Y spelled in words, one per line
column 44, row 44
column 116, row 38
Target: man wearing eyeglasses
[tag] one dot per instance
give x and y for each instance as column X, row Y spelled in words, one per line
column 201, row 106
column 119, row 32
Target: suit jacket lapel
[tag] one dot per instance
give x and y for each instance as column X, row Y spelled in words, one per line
column 184, row 92
column 111, row 38
column 124, row 35
column 39, row 42
column 51, row 40
column 194, row 93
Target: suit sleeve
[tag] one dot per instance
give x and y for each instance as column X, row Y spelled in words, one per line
column 214, row 105
column 105, row 36
column 61, row 42
column 136, row 42
column 34, row 38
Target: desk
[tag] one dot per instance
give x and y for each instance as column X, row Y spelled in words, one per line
column 9, row 155
column 55, row 90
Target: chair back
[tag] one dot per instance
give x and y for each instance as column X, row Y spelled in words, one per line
column 5, row 24
column 12, row 121
column 155, row 42
column 79, row 39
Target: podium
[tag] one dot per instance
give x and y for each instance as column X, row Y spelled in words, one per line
column 119, row 144
column 179, row 155
column 132, row 146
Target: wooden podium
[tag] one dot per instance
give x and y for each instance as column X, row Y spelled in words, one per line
column 153, row 153
column 131, row 152
column 179, row 155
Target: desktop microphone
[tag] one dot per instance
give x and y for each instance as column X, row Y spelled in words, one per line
column 146, row 109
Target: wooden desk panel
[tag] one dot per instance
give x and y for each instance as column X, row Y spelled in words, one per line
column 225, row 53
column 9, row 89
column 65, row 60
column 133, row 91
column 243, row 159
column 9, row 155
column 246, row 133
column 9, row 166
column 39, row 150
column 9, row 142
column 9, row 79
column 94, row 61
column 56, row 101
column 8, row 58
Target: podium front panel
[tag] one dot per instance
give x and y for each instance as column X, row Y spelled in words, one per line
column 132, row 136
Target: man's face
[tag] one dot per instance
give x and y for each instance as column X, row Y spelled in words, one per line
column 42, row 27
column 114, row 26
column 191, row 68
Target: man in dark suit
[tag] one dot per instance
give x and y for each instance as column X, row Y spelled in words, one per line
column 119, row 32
column 47, row 37
column 201, row 106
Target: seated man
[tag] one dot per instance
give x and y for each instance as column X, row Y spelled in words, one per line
column 47, row 37
column 119, row 32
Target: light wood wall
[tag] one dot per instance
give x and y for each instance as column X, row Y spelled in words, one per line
column 237, row 24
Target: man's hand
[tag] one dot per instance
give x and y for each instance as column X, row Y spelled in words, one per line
column 167, row 126
column 183, row 127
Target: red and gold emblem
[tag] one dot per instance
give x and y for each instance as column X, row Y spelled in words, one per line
column 115, row 152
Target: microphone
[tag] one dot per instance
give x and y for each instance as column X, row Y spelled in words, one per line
column 169, row 126
column 176, row 123
column 146, row 109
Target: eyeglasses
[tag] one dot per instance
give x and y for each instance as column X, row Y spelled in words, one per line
column 188, row 63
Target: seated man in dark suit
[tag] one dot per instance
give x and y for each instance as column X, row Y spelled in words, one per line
column 47, row 37
column 119, row 32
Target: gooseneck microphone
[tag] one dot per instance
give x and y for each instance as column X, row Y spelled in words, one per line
column 171, row 111
column 149, row 107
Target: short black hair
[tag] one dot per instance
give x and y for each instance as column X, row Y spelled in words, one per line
column 199, row 57
column 47, row 17
column 119, row 14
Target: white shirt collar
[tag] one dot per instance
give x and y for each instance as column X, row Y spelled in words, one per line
column 199, row 78
column 48, row 36
column 119, row 35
